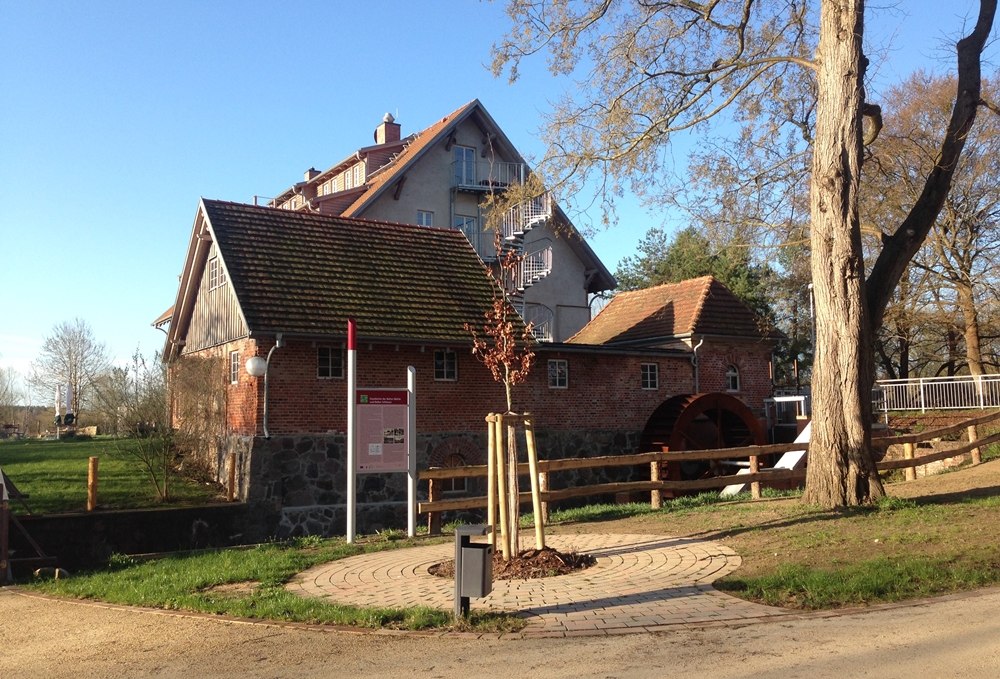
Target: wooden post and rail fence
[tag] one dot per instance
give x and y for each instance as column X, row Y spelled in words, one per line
column 435, row 504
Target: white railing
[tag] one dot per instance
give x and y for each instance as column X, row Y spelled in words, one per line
column 482, row 241
column 541, row 319
column 525, row 216
column 961, row 392
column 485, row 174
column 534, row 267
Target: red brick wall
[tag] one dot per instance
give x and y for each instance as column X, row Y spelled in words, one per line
column 604, row 390
column 753, row 362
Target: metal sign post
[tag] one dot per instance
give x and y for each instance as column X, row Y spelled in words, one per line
column 352, row 413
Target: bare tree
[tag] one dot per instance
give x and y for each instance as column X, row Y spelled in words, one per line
column 957, row 263
column 72, row 356
column 11, row 396
column 657, row 68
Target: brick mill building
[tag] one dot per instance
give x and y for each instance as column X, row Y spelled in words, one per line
column 255, row 274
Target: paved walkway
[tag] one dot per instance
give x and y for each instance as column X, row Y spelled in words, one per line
column 640, row 583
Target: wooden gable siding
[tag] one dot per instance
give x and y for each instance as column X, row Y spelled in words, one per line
column 216, row 316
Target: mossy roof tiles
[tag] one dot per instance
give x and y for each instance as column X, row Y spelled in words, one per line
column 301, row 273
column 700, row 306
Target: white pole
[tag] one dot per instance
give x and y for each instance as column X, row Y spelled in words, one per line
column 411, row 452
column 352, row 384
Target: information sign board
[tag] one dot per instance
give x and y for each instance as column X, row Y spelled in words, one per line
column 382, row 430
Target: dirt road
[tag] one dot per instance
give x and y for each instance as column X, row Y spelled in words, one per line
column 952, row 636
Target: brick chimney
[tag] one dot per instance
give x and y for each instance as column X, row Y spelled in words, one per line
column 388, row 131
column 310, row 173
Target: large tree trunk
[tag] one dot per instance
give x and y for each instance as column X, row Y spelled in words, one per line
column 967, row 305
column 841, row 468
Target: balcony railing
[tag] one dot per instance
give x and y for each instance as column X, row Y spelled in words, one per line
column 485, row 175
column 960, row 392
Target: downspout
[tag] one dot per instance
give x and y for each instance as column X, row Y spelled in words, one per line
column 279, row 343
column 694, row 364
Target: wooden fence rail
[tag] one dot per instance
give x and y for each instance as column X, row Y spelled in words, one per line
column 435, row 505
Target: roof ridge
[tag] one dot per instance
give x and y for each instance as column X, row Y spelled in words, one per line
column 295, row 214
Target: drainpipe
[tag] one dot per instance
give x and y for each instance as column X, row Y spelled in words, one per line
column 694, row 364
column 257, row 366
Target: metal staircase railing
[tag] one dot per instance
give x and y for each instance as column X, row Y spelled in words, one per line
column 525, row 216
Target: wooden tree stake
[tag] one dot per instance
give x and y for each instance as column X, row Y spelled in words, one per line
column 502, row 487
column 536, row 497
column 231, row 490
column 491, row 479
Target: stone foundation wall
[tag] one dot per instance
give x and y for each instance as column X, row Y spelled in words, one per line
column 296, row 485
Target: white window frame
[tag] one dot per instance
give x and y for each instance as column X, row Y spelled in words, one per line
column 444, row 357
column 732, row 378
column 465, row 170
column 425, row 218
column 558, row 370
column 649, row 377
column 333, row 351
column 234, row 367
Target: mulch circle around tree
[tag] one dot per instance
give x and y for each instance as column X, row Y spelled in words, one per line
column 531, row 563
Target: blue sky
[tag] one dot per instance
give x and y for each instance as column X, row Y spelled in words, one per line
column 118, row 116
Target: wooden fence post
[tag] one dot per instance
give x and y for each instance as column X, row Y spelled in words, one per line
column 910, row 472
column 973, row 437
column 231, row 487
column 433, row 518
column 91, row 484
column 656, row 495
column 543, row 484
column 5, row 575
column 754, row 485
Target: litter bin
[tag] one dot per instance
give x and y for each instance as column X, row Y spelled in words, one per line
column 473, row 566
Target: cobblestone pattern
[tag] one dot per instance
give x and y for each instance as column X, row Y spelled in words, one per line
column 639, row 583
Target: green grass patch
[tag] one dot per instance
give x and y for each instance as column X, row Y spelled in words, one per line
column 865, row 582
column 54, row 474
column 250, row 583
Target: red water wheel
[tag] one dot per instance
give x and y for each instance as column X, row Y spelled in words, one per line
column 700, row 422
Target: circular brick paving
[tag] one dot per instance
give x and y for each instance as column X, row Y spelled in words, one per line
column 639, row 583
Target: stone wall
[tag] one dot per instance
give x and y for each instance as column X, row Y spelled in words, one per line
column 296, row 485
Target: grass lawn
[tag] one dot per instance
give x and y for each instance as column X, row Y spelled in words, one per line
column 934, row 535
column 54, row 474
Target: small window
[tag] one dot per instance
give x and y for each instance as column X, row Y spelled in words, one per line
column 425, row 218
column 732, row 378
column 329, row 362
column 216, row 274
column 234, row 367
column 460, row 485
column 650, row 376
column 558, row 374
column 445, row 365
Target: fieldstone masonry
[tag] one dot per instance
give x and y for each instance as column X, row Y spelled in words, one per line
column 296, row 485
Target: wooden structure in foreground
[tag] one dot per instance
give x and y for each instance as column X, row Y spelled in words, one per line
column 655, row 486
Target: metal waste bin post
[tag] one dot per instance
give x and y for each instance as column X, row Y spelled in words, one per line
column 473, row 566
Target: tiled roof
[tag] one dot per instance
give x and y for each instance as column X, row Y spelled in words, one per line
column 408, row 155
column 700, row 306
column 301, row 273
